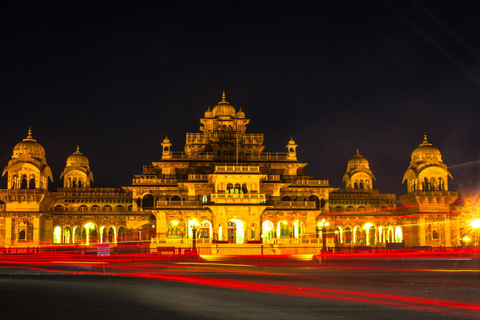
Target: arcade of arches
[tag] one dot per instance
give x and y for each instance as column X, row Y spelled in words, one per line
column 223, row 188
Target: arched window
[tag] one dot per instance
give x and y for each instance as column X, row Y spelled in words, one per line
column 435, row 234
column 348, row 235
column 147, row 201
column 22, row 235
column 173, row 231
column 120, row 208
column 83, row 208
column 176, row 198
column 441, row 185
column 244, row 188
column 286, row 198
column 398, row 234
column 24, row 182
column 107, row 208
column 121, row 234
column 237, row 188
column 315, row 199
column 95, row 208
column 230, row 188
column 31, row 183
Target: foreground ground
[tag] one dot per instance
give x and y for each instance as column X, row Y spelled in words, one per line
column 154, row 287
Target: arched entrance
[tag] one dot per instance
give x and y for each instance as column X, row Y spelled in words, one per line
column 57, row 234
column 121, row 234
column 205, row 230
column 268, row 231
column 89, row 233
column 67, row 232
column 298, row 229
column 112, row 235
column 236, row 231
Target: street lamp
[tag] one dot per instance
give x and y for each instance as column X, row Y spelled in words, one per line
column 194, row 235
column 322, row 225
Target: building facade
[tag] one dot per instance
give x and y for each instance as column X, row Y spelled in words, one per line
column 223, row 188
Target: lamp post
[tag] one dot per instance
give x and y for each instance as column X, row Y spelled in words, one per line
column 322, row 225
column 194, row 235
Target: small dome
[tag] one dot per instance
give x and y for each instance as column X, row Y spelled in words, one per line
column 240, row 114
column 291, row 142
column 208, row 113
column 224, row 109
column 426, row 151
column 29, row 146
column 77, row 159
column 358, row 161
column 166, row 140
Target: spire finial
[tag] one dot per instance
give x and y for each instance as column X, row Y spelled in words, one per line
column 29, row 132
column 78, row 148
column 223, row 96
column 358, row 151
column 425, row 136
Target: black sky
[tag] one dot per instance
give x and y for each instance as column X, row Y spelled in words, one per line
column 116, row 77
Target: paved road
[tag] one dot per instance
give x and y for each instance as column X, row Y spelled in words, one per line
column 149, row 289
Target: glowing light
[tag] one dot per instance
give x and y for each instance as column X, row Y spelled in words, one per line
column 475, row 224
column 323, row 223
column 367, row 225
column 471, row 217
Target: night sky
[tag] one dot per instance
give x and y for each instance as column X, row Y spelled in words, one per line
column 116, row 77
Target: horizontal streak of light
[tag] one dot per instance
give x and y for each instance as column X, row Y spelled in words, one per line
column 391, row 300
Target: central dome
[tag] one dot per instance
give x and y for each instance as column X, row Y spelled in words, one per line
column 77, row 159
column 29, row 146
column 224, row 109
column 426, row 151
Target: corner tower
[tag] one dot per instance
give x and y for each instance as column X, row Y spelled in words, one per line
column 427, row 181
column 28, row 169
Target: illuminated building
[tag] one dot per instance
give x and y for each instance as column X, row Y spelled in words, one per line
column 224, row 188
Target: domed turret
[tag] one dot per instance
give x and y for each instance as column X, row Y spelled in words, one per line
column 358, row 174
column 240, row 114
column 427, row 181
column 28, row 166
column 77, row 172
column 426, row 151
column 29, row 146
column 208, row 113
column 166, row 145
column 224, row 109
column 358, row 161
column 77, row 159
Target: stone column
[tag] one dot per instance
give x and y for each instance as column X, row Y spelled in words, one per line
column 8, row 231
column 36, row 231
column 421, row 231
column 311, row 223
column 447, row 231
column 161, row 224
column 48, row 234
